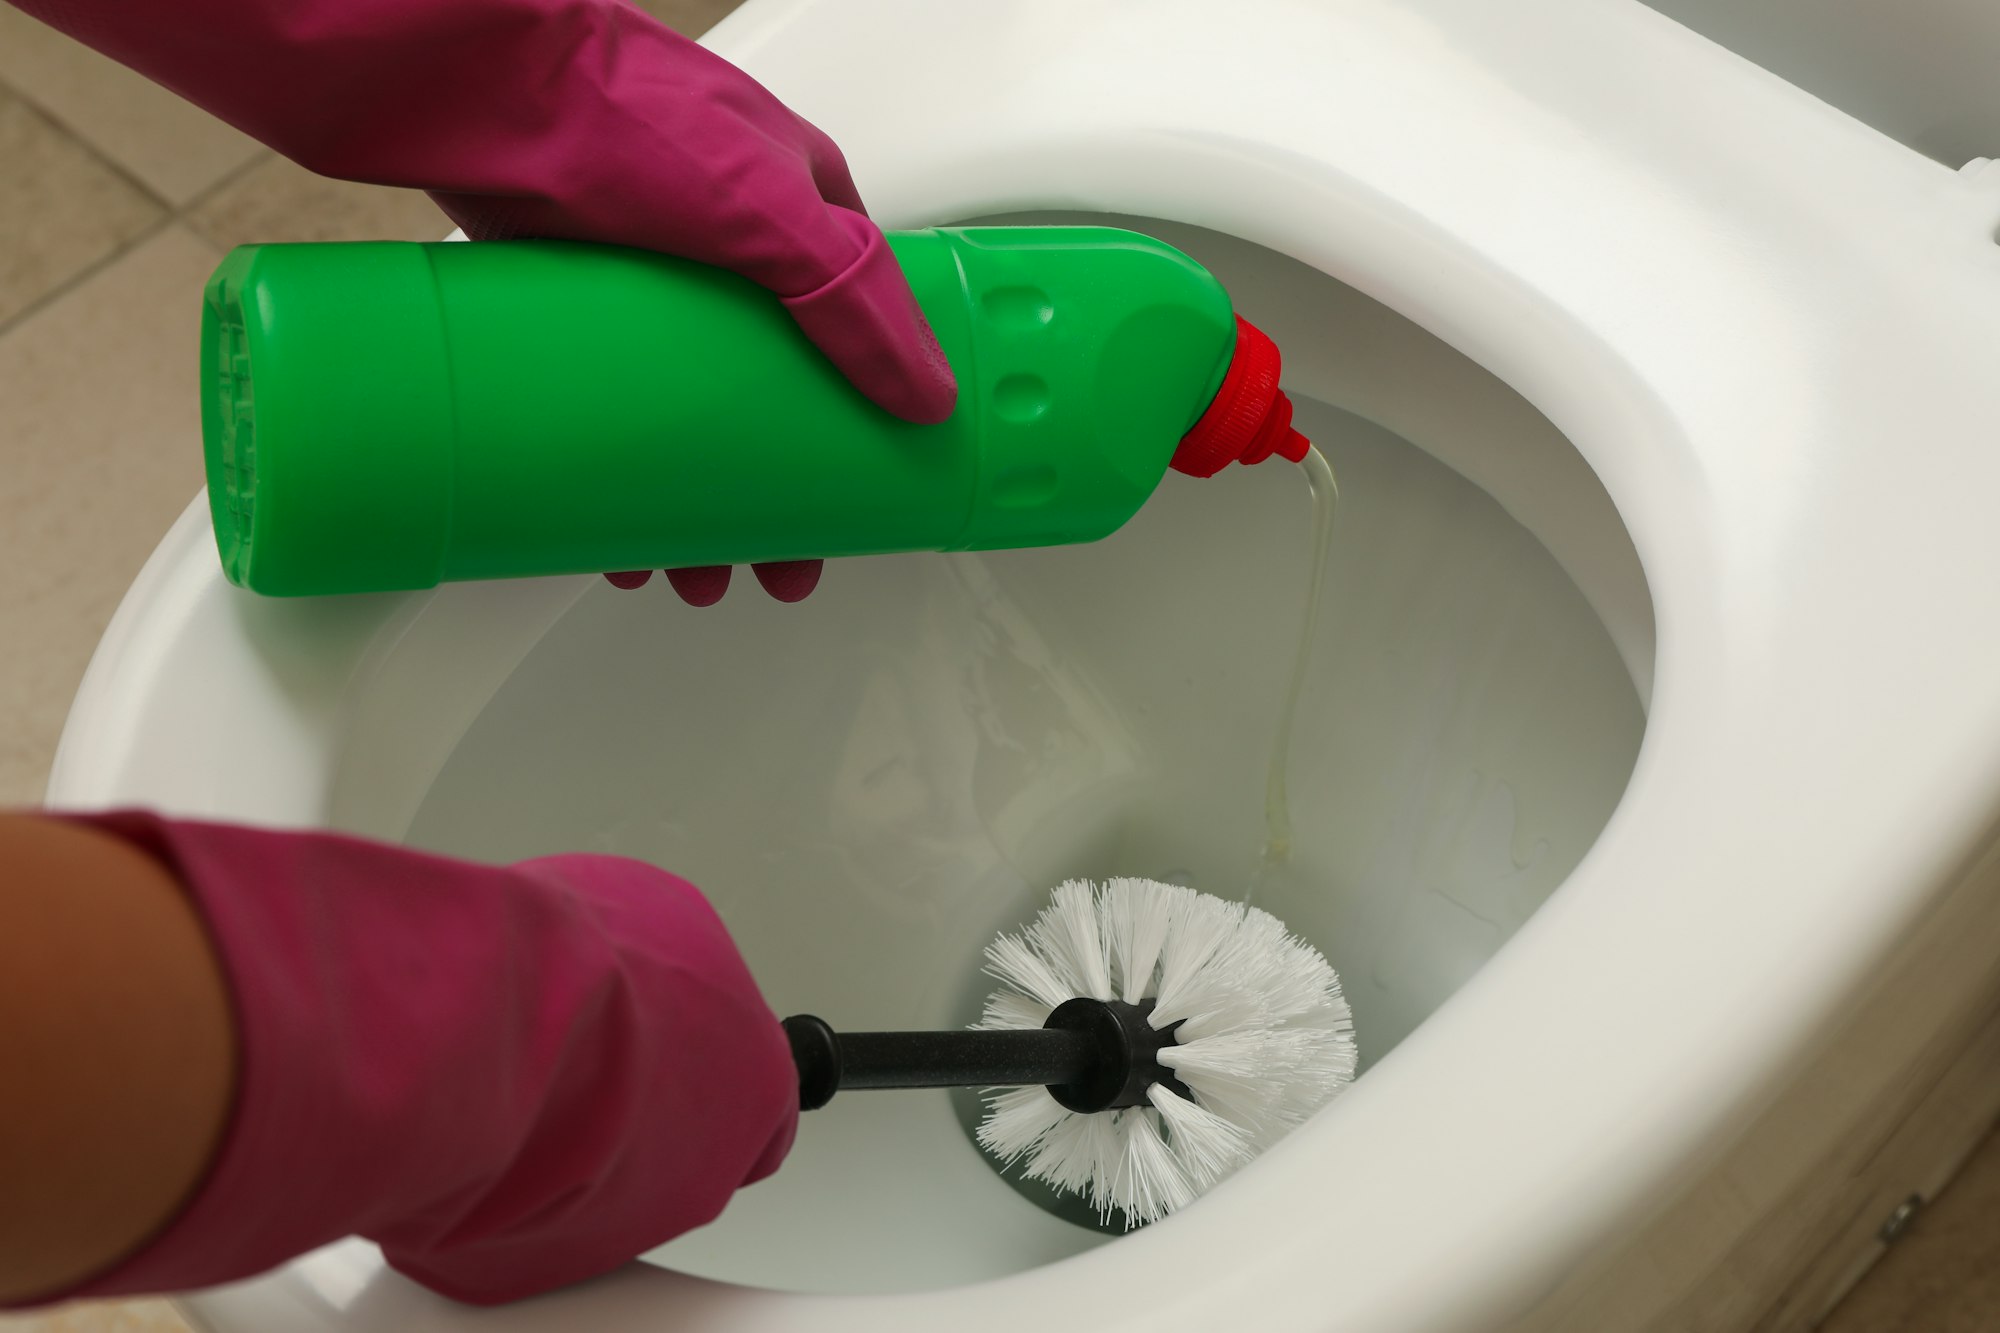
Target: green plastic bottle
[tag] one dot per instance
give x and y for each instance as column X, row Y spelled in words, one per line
column 390, row 415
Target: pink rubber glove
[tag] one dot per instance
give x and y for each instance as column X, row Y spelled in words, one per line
column 509, row 1078
column 580, row 119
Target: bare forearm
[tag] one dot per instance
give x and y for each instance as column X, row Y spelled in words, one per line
column 117, row 1051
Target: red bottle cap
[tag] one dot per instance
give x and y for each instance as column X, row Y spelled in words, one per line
column 1250, row 419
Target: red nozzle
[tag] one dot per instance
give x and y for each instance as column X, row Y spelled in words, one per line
column 1250, row 419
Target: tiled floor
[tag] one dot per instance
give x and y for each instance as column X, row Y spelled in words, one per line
column 116, row 199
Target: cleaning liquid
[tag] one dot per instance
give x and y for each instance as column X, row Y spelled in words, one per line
column 383, row 416
column 1277, row 852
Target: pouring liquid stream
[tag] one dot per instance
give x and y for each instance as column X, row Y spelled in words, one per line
column 1277, row 851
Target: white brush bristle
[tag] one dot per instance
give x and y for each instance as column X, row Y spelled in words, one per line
column 1265, row 1040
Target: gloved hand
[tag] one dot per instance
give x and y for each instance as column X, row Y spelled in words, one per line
column 509, row 1078
column 704, row 585
column 580, row 119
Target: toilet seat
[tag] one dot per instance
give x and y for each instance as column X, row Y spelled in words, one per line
column 1767, row 330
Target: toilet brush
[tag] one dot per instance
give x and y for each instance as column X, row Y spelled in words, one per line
column 1145, row 1042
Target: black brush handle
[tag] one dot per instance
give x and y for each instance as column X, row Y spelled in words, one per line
column 1090, row 1055
column 829, row 1061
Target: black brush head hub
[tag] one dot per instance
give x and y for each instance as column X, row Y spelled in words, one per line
column 1128, row 1060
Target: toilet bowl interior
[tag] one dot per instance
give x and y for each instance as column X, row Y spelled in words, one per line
column 872, row 783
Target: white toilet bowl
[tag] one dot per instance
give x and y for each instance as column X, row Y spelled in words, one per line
column 1760, row 343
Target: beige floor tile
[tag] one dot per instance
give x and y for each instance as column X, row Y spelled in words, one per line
column 176, row 149
column 124, row 1317
column 693, row 17
column 100, row 449
column 277, row 200
column 1944, row 1275
column 61, row 208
